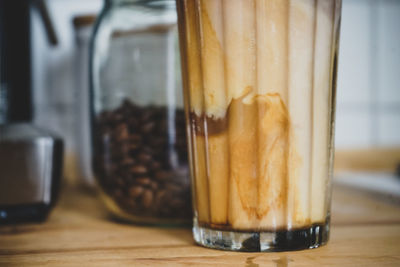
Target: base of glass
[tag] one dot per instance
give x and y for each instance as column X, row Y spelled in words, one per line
column 285, row 240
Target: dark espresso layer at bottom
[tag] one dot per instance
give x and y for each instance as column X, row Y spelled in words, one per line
column 228, row 227
column 256, row 241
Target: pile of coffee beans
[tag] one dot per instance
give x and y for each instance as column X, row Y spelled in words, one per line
column 140, row 160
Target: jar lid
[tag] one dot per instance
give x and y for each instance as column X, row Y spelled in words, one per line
column 157, row 28
column 83, row 20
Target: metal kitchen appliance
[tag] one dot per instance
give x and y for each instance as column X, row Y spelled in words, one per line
column 30, row 158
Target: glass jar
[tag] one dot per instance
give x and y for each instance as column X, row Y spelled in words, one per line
column 138, row 121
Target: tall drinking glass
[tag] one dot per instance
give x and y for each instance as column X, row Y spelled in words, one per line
column 259, row 83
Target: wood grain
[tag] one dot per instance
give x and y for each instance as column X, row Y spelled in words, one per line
column 365, row 232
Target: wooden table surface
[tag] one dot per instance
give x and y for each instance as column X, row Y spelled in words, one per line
column 365, row 232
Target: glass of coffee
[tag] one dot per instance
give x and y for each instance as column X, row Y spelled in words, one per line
column 259, row 83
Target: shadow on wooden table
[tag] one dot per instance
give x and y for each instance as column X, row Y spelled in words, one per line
column 87, row 205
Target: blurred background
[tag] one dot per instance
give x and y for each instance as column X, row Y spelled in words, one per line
column 368, row 107
column 368, row 93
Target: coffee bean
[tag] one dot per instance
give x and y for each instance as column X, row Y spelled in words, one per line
column 143, row 181
column 118, row 117
column 147, row 198
column 135, row 138
column 138, row 169
column 148, row 150
column 126, row 105
column 148, row 127
column 133, row 161
column 133, row 147
column 109, row 167
column 162, row 175
column 163, row 127
column 122, row 132
column 135, row 191
column 120, row 181
column 160, row 195
column 154, row 185
column 146, row 115
column 127, row 162
column 159, row 142
column 154, row 165
column 173, row 188
column 130, row 203
column 117, row 193
column 144, row 158
column 177, row 203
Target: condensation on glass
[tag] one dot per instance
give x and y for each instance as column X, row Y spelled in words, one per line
column 259, row 83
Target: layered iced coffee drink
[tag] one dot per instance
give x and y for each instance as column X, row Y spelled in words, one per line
column 259, row 83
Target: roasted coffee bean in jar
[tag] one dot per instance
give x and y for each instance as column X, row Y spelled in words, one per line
column 140, row 164
column 139, row 150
